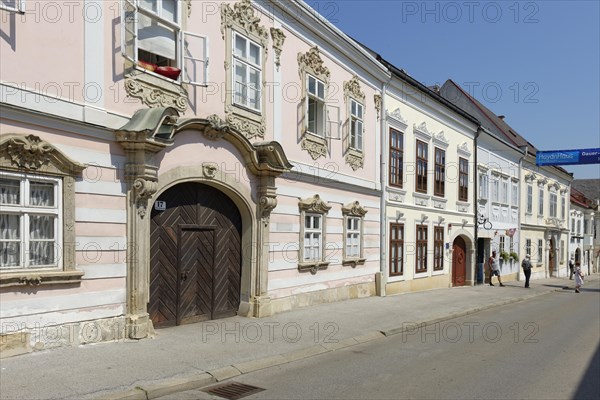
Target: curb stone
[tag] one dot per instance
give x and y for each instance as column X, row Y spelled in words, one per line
column 171, row 386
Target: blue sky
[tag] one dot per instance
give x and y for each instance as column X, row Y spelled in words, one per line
column 537, row 62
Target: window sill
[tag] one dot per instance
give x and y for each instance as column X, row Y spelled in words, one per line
column 37, row 278
column 313, row 267
column 353, row 262
column 315, row 145
column 155, row 90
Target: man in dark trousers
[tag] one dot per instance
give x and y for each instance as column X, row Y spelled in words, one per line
column 571, row 267
column 526, row 265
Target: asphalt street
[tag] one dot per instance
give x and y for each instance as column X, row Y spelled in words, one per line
column 547, row 347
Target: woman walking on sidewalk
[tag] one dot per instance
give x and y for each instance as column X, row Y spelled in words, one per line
column 578, row 278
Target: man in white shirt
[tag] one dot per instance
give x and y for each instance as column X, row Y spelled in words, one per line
column 494, row 268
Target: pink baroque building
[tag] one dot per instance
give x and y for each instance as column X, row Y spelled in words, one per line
column 180, row 161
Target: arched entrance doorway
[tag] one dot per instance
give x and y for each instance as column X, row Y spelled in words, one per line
column 459, row 262
column 578, row 256
column 195, row 255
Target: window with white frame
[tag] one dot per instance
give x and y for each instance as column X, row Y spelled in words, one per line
column 29, row 222
column 562, row 207
column 540, row 202
column 578, row 227
column 585, row 226
column 316, row 108
column 356, row 125
column 313, row 238
column 13, row 5
column 154, row 41
column 562, row 251
column 540, row 250
column 528, row 247
column 515, row 194
column 553, row 205
column 502, row 245
column 247, row 72
column 483, row 186
column 504, row 191
column 529, row 199
column 352, row 237
column 495, row 188
column 573, row 226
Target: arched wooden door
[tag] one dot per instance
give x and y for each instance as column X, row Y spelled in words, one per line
column 459, row 262
column 551, row 258
column 195, row 256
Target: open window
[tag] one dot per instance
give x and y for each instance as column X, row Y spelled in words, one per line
column 17, row 6
column 247, row 72
column 154, row 42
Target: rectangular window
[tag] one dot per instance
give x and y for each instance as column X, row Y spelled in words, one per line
column 529, row 199
column 463, row 179
column 495, row 189
column 153, row 40
column 540, row 250
column 511, row 245
column 313, row 236
column 573, row 226
column 13, row 5
column 352, row 237
column 438, row 248
column 29, row 222
column 585, row 226
column 501, row 247
column 440, row 172
column 553, row 205
column 483, row 186
column 247, row 72
column 421, row 254
column 396, row 157
column 562, row 250
column 356, row 125
column 540, row 202
column 316, row 106
column 578, row 227
column 528, row 247
column 562, row 207
column 422, row 157
column 396, row 249
column 504, row 191
column 515, row 194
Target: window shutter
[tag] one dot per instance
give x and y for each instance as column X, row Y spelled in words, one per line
column 195, row 59
column 129, row 30
column 333, row 122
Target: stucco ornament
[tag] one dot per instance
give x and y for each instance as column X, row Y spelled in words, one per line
column 154, row 96
column 397, row 115
column 278, row 40
column 209, row 170
column 242, row 15
column 247, row 127
column 355, row 159
column 354, row 209
column 189, row 7
column 422, row 130
column 29, row 152
column 314, row 204
column 440, row 138
column 378, row 102
column 352, row 89
column 144, row 190
column 464, row 149
column 216, row 128
column 315, row 146
column 311, row 61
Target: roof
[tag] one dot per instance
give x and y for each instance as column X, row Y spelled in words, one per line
column 497, row 126
column 589, row 187
column 581, row 200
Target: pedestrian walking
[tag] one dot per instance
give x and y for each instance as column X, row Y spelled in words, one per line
column 494, row 268
column 526, row 265
column 571, row 267
column 578, row 278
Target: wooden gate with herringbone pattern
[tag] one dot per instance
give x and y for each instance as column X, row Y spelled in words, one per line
column 195, row 256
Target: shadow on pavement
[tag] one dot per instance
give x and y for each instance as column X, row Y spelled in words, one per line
column 589, row 387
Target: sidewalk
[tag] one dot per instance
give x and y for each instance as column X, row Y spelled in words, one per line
column 196, row 355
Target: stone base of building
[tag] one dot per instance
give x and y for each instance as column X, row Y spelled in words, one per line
column 417, row 285
column 332, row 295
column 24, row 340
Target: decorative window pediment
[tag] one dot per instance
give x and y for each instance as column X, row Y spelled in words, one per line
column 396, row 118
column 354, row 209
column 463, row 149
column 314, row 204
column 422, row 132
column 311, row 62
column 530, row 177
column 440, row 140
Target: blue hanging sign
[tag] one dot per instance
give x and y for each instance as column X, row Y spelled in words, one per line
column 568, row 157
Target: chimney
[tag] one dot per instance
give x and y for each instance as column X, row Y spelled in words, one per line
column 501, row 117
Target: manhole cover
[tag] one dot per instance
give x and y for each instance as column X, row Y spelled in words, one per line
column 233, row 390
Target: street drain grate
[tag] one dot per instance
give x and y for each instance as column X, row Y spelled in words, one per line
column 233, row 390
